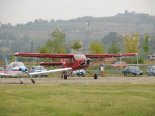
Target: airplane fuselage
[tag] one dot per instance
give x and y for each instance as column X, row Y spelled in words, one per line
column 79, row 61
column 15, row 73
column 15, row 69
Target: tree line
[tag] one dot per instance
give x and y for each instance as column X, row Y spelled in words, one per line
column 131, row 44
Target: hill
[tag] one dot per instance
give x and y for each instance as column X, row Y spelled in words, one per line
column 21, row 36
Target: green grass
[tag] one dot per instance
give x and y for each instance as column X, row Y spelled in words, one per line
column 77, row 100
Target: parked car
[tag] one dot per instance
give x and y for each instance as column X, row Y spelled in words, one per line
column 38, row 69
column 132, row 70
column 151, row 57
column 151, row 70
column 119, row 64
column 79, row 73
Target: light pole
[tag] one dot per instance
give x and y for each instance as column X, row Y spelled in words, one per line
column 137, row 59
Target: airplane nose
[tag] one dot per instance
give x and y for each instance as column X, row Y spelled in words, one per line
column 23, row 69
column 83, row 63
column 87, row 62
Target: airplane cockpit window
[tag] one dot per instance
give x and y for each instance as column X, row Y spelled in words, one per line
column 20, row 64
column 79, row 56
column 15, row 64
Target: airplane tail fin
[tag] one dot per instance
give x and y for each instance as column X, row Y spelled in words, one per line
column 6, row 61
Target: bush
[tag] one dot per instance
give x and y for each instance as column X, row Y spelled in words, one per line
column 133, row 60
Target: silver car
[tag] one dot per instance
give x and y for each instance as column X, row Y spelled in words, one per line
column 151, row 70
column 38, row 69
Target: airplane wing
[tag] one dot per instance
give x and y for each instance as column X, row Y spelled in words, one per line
column 109, row 55
column 4, row 74
column 50, row 63
column 10, row 75
column 43, row 55
column 50, row 71
column 36, row 73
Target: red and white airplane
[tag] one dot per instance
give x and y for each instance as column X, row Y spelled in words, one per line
column 73, row 61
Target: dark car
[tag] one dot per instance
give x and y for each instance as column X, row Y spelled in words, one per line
column 151, row 70
column 132, row 70
column 38, row 69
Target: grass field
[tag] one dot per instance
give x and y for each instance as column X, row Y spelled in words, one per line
column 77, row 100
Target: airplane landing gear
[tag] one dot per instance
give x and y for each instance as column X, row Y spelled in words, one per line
column 95, row 76
column 21, row 81
column 33, row 81
column 64, row 75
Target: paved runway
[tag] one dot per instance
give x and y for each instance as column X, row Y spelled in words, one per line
column 81, row 80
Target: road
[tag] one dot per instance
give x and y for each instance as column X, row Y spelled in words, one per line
column 81, row 80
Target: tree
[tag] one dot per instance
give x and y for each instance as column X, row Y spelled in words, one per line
column 96, row 47
column 76, row 45
column 112, row 36
column 56, row 44
column 113, row 48
column 131, row 43
column 58, row 41
column 43, row 49
column 146, row 44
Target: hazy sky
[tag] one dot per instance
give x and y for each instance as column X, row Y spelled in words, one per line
column 22, row 11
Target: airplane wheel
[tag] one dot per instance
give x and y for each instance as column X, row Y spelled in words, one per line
column 33, row 81
column 21, row 81
column 65, row 76
column 95, row 76
column 125, row 74
column 62, row 76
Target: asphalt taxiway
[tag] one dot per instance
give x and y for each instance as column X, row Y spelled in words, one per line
column 80, row 80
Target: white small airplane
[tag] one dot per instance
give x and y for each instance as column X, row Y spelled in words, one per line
column 18, row 69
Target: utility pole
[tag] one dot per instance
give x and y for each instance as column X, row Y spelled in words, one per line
column 32, row 51
column 87, row 37
column 1, row 51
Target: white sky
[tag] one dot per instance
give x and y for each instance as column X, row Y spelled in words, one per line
column 22, row 11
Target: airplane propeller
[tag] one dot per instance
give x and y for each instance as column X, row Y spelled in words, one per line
column 86, row 62
column 23, row 69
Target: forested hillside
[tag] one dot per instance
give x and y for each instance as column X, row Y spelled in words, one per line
column 32, row 35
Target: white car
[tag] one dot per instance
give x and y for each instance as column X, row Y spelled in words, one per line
column 79, row 73
column 38, row 69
